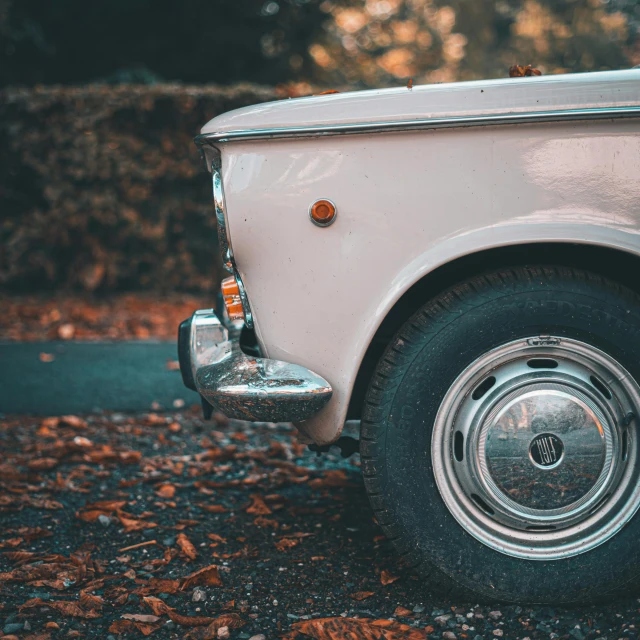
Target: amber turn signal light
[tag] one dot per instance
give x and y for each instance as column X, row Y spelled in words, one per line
column 323, row 212
column 231, row 297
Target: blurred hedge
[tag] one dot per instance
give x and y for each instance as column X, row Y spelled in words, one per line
column 102, row 188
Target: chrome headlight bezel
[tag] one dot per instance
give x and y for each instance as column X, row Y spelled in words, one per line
column 224, row 239
column 221, row 219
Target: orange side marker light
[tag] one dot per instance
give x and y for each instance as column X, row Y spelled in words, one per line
column 323, row 212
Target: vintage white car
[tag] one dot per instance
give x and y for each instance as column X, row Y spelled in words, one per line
column 457, row 267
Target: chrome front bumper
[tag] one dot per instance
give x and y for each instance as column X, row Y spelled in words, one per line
column 242, row 386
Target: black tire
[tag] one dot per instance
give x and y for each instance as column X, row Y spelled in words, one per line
column 425, row 356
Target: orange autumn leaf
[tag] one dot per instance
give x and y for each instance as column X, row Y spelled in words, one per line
column 216, row 538
column 258, row 506
column 213, row 508
column 107, row 505
column 362, row 595
column 92, row 515
column 386, row 577
column 189, row 621
column 159, row 607
column 42, row 464
column 90, row 601
column 286, row 543
column 328, row 92
column 229, row 620
column 140, row 617
column 162, row 585
column 518, row 71
column 132, row 524
column 12, row 542
column 74, row 422
column 185, row 544
column 261, row 521
column 65, row 607
column 206, row 577
column 402, row 611
column 357, row 629
column 166, row 491
column 130, row 626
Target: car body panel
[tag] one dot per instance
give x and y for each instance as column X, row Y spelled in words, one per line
column 508, row 95
column 408, row 202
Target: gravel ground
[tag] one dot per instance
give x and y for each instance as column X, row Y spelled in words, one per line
column 106, row 519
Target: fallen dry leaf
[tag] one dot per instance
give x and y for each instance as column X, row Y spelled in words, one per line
column 229, row 620
column 362, row 595
column 518, row 71
column 402, row 611
column 161, row 585
column 189, row 621
column 166, row 491
column 185, row 544
column 159, row 607
column 213, row 508
column 286, row 543
column 42, row 464
column 65, row 607
column 131, row 626
column 74, row 422
column 386, row 577
column 258, row 506
column 132, row 524
column 357, row 629
column 46, row 357
column 140, row 617
column 90, row 601
column 260, row 521
column 207, row 577
column 216, row 538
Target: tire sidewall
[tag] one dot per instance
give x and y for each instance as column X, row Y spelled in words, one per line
column 432, row 350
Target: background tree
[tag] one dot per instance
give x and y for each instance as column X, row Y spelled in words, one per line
column 333, row 42
column 381, row 42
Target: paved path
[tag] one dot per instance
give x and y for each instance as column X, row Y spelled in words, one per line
column 88, row 376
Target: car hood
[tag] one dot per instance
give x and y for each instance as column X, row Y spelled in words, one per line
column 604, row 89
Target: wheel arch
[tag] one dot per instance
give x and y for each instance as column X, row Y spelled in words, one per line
column 614, row 263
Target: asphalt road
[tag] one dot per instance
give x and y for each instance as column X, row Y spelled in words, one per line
column 84, row 377
column 106, row 517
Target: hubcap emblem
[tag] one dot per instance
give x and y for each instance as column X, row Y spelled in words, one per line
column 546, row 450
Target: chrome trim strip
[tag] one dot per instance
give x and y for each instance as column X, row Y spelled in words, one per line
column 226, row 251
column 221, row 219
column 244, row 299
column 560, row 115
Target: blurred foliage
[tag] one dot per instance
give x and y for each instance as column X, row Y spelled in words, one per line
column 379, row 42
column 332, row 42
column 102, row 188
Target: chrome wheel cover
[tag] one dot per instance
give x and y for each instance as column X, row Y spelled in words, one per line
column 534, row 448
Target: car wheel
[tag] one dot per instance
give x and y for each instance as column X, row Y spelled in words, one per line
column 500, row 439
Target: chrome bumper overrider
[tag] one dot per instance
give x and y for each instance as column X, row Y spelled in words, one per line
column 242, row 386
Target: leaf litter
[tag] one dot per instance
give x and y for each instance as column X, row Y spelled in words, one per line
column 112, row 523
